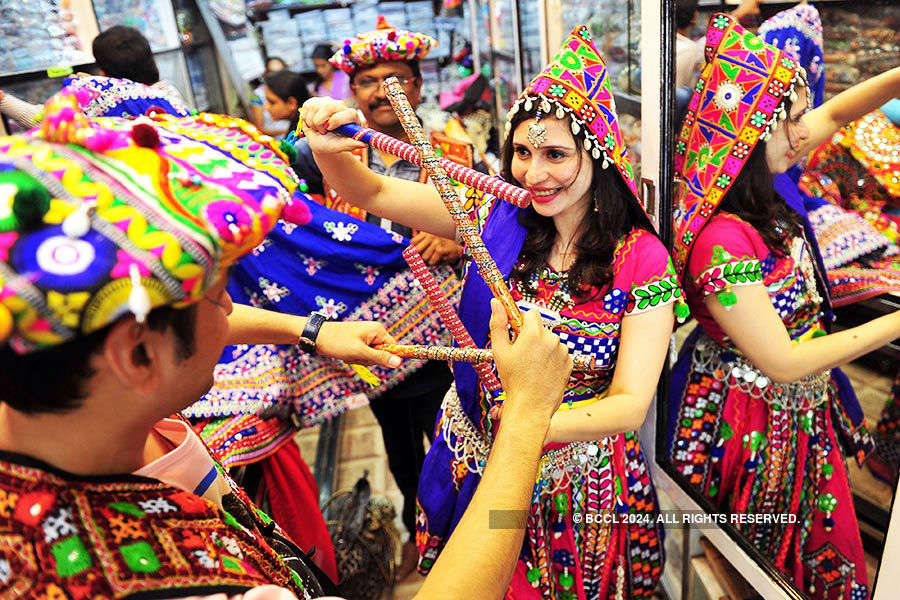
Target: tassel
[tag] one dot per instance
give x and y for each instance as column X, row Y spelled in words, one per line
column 366, row 375
column 138, row 299
column 78, row 223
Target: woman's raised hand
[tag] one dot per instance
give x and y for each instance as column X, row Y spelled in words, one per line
column 320, row 116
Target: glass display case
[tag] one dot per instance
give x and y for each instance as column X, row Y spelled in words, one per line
column 182, row 46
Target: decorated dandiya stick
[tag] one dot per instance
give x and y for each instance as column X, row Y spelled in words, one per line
column 465, row 225
column 469, row 177
column 448, row 316
column 446, row 353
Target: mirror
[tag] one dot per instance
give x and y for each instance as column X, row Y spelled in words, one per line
column 815, row 483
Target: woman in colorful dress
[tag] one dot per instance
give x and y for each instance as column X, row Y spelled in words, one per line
column 585, row 255
column 757, row 409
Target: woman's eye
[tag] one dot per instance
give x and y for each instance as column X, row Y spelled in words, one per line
column 555, row 155
column 521, row 151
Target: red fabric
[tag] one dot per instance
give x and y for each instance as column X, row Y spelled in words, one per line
column 294, row 503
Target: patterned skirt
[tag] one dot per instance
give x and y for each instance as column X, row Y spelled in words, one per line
column 592, row 530
column 752, row 446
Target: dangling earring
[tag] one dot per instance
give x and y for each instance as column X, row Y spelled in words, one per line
column 596, row 205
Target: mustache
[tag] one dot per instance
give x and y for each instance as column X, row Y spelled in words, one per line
column 379, row 104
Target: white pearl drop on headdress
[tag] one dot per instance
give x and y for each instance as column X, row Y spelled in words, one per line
column 545, row 105
column 587, row 144
column 605, row 162
column 138, row 298
column 560, row 113
column 595, row 153
column 575, row 128
column 78, row 223
column 528, row 104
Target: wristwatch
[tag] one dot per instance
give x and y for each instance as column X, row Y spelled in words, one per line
column 307, row 341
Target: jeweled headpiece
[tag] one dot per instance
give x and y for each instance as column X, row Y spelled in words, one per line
column 576, row 84
column 738, row 100
column 383, row 44
column 109, row 216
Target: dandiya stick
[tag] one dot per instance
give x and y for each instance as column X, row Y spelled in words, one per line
column 465, row 225
column 470, row 177
column 448, row 316
column 477, row 356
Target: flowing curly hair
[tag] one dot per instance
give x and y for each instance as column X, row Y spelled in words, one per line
column 597, row 236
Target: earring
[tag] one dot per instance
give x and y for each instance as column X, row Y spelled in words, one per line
column 596, row 205
column 537, row 131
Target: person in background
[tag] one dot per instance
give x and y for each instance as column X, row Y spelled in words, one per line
column 285, row 92
column 121, row 53
column 330, row 81
column 258, row 114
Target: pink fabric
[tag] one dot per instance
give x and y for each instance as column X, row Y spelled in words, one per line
column 456, row 94
column 737, row 238
column 187, row 465
column 340, row 87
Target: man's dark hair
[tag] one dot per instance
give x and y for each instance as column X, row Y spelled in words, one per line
column 53, row 380
column 413, row 65
column 125, row 53
column 684, row 12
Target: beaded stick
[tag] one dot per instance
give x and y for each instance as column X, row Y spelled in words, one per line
column 469, row 177
column 465, row 225
column 477, row 356
column 448, row 316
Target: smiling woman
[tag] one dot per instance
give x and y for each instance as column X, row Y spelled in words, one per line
column 585, row 256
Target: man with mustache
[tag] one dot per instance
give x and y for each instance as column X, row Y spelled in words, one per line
column 408, row 410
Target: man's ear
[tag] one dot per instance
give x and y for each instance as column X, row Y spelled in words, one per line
column 133, row 353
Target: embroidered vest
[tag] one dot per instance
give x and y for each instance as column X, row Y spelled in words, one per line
column 64, row 536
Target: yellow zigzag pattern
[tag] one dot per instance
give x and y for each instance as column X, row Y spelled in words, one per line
column 112, row 210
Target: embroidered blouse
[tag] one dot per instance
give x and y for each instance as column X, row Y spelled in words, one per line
column 729, row 252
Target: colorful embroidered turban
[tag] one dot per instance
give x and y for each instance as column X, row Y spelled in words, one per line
column 110, row 97
column 798, row 31
column 384, row 44
column 104, row 217
column 576, row 84
column 737, row 102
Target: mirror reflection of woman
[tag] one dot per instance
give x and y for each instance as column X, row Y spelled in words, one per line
column 760, row 420
column 585, row 255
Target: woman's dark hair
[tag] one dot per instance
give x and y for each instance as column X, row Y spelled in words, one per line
column 124, row 52
column 753, row 198
column 322, row 51
column 598, row 235
column 53, row 380
column 286, row 85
